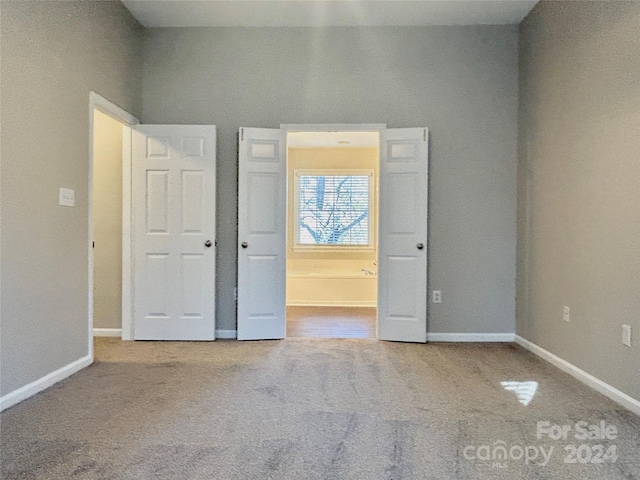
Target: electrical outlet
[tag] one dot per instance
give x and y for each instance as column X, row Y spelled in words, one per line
column 566, row 314
column 626, row 335
column 437, row 296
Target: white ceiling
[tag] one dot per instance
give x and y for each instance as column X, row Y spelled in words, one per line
column 320, row 13
column 332, row 139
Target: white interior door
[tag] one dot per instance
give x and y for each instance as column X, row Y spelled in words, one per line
column 402, row 266
column 173, row 197
column 262, row 212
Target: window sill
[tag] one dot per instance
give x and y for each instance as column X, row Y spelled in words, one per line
column 333, row 249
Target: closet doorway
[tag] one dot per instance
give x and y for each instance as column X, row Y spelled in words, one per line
column 106, row 214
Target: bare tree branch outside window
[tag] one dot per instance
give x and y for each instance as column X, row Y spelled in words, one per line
column 333, row 210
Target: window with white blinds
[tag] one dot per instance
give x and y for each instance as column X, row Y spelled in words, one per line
column 333, row 210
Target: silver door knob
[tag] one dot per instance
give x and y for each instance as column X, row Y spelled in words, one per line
column 420, row 246
column 244, row 244
column 208, row 243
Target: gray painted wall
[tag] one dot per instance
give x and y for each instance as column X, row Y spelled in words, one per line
column 461, row 82
column 53, row 54
column 578, row 190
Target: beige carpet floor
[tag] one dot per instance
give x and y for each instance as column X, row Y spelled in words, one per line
column 311, row 409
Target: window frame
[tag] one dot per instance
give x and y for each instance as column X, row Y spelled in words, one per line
column 298, row 247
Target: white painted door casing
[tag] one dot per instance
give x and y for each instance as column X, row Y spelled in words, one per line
column 173, row 200
column 262, row 197
column 402, row 262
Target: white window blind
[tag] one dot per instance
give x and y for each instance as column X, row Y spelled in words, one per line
column 333, row 209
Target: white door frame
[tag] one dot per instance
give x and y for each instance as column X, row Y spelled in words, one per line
column 339, row 127
column 98, row 102
column 334, row 127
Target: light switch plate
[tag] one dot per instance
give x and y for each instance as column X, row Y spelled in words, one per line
column 67, row 197
column 626, row 335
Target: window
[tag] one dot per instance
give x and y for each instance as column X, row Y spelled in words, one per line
column 333, row 209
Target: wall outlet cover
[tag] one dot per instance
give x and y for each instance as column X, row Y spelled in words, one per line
column 566, row 314
column 437, row 296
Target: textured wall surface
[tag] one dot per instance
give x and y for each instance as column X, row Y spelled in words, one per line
column 53, row 54
column 578, row 185
column 107, row 221
column 461, row 82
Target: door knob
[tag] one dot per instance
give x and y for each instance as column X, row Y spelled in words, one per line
column 207, row 243
column 420, row 246
column 244, row 244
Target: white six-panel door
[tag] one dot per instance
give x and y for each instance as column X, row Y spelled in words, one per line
column 173, row 198
column 262, row 210
column 402, row 247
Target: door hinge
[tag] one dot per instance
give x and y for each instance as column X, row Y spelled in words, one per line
column 242, row 134
column 425, row 134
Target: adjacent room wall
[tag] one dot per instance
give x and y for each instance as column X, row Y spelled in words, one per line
column 461, row 82
column 107, row 221
column 578, row 185
column 53, row 54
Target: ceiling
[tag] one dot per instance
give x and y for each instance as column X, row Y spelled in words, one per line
column 332, row 139
column 322, row 13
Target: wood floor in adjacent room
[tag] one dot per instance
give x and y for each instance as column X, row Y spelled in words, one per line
column 308, row 409
column 331, row 322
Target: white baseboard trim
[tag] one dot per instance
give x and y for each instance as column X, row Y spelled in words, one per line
column 604, row 388
column 329, row 303
column 471, row 337
column 227, row 334
column 22, row 393
column 107, row 332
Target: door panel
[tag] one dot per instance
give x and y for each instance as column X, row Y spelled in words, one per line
column 192, row 270
column 263, row 214
column 262, row 229
column 192, row 186
column 402, row 269
column 157, row 201
column 173, row 196
column 403, row 220
column 153, row 293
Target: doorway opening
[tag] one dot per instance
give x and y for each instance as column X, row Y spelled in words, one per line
column 400, row 235
column 332, row 234
column 106, row 214
column 109, row 191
